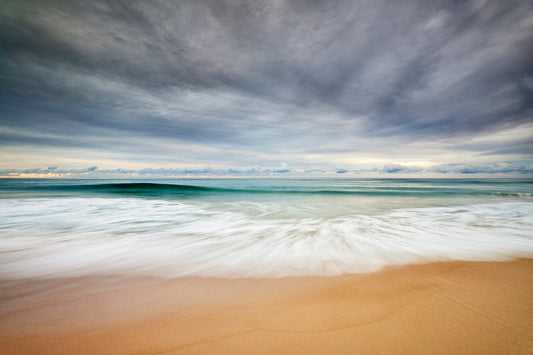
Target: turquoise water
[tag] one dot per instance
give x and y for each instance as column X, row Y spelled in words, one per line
column 257, row 227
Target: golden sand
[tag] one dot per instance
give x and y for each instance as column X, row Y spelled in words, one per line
column 447, row 308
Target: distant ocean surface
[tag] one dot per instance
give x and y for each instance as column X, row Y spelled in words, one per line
column 257, row 227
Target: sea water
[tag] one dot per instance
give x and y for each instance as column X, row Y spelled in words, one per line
column 257, row 227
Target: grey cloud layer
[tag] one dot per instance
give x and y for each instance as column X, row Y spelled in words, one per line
column 269, row 76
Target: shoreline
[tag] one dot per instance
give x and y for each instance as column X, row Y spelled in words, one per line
column 444, row 307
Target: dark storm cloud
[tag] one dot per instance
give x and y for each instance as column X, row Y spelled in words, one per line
column 257, row 76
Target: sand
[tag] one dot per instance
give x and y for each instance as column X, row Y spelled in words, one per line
column 455, row 307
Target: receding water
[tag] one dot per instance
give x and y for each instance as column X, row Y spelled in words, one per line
column 257, row 227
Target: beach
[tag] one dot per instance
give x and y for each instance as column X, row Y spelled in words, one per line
column 447, row 307
column 266, row 266
column 266, row 177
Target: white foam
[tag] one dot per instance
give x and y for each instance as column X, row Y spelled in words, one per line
column 68, row 237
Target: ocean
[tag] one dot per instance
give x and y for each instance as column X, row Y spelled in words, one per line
column 260, row 228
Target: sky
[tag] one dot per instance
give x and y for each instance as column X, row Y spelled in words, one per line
column 266, row 88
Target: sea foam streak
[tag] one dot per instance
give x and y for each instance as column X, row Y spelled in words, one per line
column 72, row 236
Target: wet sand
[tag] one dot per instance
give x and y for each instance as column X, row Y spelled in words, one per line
column 455, row 307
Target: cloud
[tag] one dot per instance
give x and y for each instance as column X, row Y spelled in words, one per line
column 284, row 168
column 92, row 168
column 396, row 168
column 509, row 168
column 494, row 168
column 265, row 80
